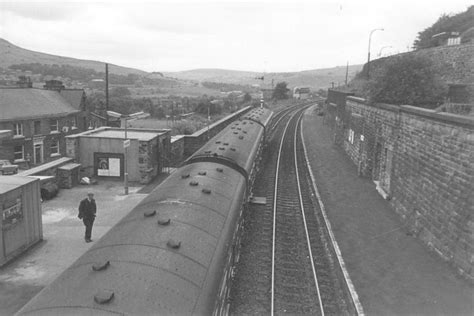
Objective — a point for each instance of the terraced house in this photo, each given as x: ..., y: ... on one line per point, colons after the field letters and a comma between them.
x: 39, y: 120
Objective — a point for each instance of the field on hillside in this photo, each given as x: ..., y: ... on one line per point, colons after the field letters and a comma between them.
x: 181, y: 90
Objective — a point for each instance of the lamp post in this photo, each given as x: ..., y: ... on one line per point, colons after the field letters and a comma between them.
x: 380, y: 52
x: 368, y: 54
x: 126, y: 143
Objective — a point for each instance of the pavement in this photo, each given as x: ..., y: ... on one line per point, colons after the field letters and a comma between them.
x: 393, y: 272
x: 63, y: 239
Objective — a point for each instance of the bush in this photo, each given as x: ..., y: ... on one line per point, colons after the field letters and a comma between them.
x: 407, y: 79
x: 281, y: 91
x: 184, y: 128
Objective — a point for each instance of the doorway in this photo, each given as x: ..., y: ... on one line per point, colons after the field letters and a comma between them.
x: 38, y: 154
x: 377, y: 161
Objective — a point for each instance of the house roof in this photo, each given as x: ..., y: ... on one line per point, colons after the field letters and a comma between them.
x: 18, y: 104
x: 73, y: 96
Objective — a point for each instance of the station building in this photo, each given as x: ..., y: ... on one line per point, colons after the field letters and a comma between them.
x: 301, y: 93
x: 103, y: 152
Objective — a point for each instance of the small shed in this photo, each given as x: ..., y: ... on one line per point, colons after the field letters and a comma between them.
x: 21, y: 225
x: 69, y: 175
x: 103, y: 152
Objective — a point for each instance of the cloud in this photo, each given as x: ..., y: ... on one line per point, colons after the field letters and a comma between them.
x: 275, y: 35
x: 42, y: 11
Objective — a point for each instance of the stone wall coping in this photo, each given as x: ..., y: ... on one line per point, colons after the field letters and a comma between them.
x: 70, y: 166
x: 347, y: 93
x: 46, y: 166
x: 204, y: 129
x: 357, y: 99
x: 429, y: 113
x: 177, y: 138
x: 439, y: 116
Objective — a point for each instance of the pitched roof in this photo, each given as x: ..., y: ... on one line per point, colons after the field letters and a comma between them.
x: 73, y: 96
x: 17, y: 104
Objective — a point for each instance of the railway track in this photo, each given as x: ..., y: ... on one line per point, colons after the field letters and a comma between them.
x: 290, y: 254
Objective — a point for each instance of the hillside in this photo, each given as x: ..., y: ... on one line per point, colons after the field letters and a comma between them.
x: 214, y: 75
x: 187, y: 80
x: 11, y: 54
x: 315, y: 79
x: 461, y: 23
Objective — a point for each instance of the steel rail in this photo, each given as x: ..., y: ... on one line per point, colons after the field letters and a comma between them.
x: 300, y: 196
x: 274, y: 214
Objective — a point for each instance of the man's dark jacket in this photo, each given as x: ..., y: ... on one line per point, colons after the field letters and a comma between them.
x: 87, y: 209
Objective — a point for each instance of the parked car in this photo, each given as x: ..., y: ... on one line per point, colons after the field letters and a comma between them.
x: 7, y: 168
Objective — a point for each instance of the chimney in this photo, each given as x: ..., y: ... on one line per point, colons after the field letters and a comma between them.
x: 54, y: 85
x: 24, y: 82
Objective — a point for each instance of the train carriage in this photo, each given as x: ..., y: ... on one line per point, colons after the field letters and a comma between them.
x: 173, y: 254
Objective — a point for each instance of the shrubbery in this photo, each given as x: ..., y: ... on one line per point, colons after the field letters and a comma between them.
x: 404, y: 79
x: 407, y: 79
x: 462, y: 22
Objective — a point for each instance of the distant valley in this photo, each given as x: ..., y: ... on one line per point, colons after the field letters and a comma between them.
x: 315, y: 79
x: 11, y: 54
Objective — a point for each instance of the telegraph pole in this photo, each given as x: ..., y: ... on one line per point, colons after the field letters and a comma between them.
x: 106, y: 93
x: 347, y: 71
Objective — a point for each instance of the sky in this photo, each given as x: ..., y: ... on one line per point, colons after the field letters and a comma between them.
x: 259, y: 35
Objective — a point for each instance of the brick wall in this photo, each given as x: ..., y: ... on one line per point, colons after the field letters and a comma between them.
x: 423, y: 162
x: 177, y: 151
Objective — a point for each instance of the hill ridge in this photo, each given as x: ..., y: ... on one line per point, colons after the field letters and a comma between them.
x: 11, y: 54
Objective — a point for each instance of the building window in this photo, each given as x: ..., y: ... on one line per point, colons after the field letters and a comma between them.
x: 351, y: 136
x: 17, y: 129
x: 37, y: 127
x: 53, y: 125
x: 19, y: 152
x: 74, y: 123
x: 55, y: 148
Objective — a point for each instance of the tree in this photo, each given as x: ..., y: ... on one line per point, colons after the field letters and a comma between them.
x: 408, y: 79
x: 247, y: 97
x: 461, y: 22
x: 204, y: 107
x: 120, y: 92
x: 323, y: 93
x: 159, y: 112
x: 281, y: 91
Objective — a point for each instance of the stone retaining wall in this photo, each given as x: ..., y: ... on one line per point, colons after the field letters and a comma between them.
x: 423, y: 163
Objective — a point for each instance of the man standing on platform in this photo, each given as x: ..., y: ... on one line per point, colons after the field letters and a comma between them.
x: 87, y: 210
